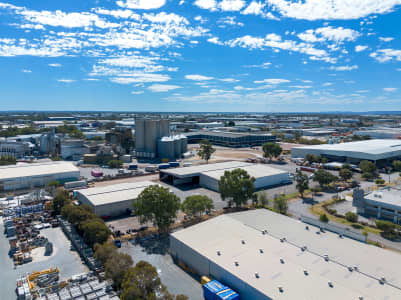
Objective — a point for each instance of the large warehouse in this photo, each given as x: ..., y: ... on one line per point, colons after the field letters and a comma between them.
x: 208, y: 175
x: 264, y: 255
x: 112, y: 200
x: 25, y: 176
x: 380, y: 151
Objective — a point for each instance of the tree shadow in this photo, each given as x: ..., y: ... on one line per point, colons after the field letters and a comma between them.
x: 154, y: 244
x: 393, y: 237
x: 309, y: 200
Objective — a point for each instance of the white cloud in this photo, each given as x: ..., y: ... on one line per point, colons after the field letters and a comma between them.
x: 26, y: 71
x: 344, y: 68
x: 229, y: 21
x: 231, y: 5
x: 327, y: 84
x: 385, y: 55
x: 118, y: 13
x: 136, y: 92
x: 254, y: 8
x: 390, y: 89
x: 63, y: 80
x: 323, y: 34
x: 215, y: 40
x: 162, y: 87
x: 206, y: 4
x: 272, y: 81
x: 142, y: 4
x: 229, y: 80
x: 56, y: 65
x: 200, y: 19
x: 386, y: 39
x: 360, y: 48
x: 196, y: 77
x: 333, y: 9
x: 265, y: 65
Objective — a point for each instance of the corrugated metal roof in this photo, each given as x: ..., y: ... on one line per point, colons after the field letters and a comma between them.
x: 36, y: 169
x: 300, y: 274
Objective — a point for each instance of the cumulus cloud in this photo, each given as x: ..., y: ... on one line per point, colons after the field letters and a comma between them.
x: 272, y: 81
x: 162, y: 87
x: 64, y: 80
x: 386, y: 39
x: 386, y: 55
x: 360, y: 48
x: 196, y: 77
x: 344, y: 68
x: 26, y: 71
x: 323, y: 34
x: 333, y: 9
x: 231, y: 5
x: 390, y: 89
x: 142, y: 4
x: 206, y: 4
x: 215, y: 40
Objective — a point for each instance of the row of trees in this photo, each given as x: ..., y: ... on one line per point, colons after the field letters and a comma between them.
x: 90, y: 226
x: 7, y: 160
x: 135, y: 282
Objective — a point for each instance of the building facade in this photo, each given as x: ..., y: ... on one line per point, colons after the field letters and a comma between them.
x: 232, y: 140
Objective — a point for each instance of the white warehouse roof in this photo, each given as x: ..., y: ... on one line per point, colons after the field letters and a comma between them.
x: 114, y: 193
x: 36, y: 169
x: 303, y: 275
x: 369, y: 149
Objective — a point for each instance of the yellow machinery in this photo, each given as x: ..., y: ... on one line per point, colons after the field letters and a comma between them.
x: 205, y: 280
x: 31, y: 277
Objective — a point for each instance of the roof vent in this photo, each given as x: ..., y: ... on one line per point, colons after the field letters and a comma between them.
x: 350, y: 269
x: 257, y: 275
x: 307, y: 227
x: 303, y: 248
x: 356, y: 268
x: 317, y: 232
x: 340, y: 236
x: 330, y: 284
x: 281, y: 289
x: 306, y: 272
x: 360, y: 298
x: 322, y: 229
x: 261, y: 250
x: 281, y: 260
x: 218, y: 253
x: 382, y: 280
x: 243, y: 242
x: 326, y: 257
x: 236, y: 263
x: 283, y: 240
x: 264, y: 232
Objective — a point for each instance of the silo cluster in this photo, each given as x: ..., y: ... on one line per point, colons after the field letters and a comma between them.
x: 172, y: 147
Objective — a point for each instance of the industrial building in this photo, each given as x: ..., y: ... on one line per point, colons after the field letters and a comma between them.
x: 383, y: 204
x: 264, y: 255
x: 14, y: 149
x: 378, y: 151
x: 113, y: 200
x: 153, y: 140
x: 380, y: 133
x: 230, y: 139
x: 26, y: 176
x: 73, y: 149
x: 208, y: 175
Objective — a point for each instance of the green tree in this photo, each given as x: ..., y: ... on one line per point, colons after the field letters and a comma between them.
x: 345, y: 174
x: 379, y: 181
x: 280, y: 204
x: 60, y: 200
x: 196, y: 205
x: 117, y: 266
x: 95, y: 231
x: 7, y: 160
x: 367, y: 167
x: 323, y: 218
x: 302, y: 181
x: 323, y: 177
x: 310, y: 158
x: 103, y: 252
x: 158, y: 205
x: 351, y: 217
x: 386, y: 226
x: 115, y: 163
x: 397, y: 165
x: 142, y: 282
x: 206, y: 150
x: 271, y: 150
x: 236, y: 186
x: 316, y: 190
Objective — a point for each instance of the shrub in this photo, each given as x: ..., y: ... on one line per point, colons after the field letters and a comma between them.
x: 351, y: 217
x: 323, y: 218
x: 379, y: 181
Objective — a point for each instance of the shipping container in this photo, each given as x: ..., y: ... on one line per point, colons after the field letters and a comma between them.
x: 133, y: 167
x: 174, y: 164
x: 215, y: 290
x: 164, y: 166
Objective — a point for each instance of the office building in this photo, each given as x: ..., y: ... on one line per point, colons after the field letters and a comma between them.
x: 230, y: 139
x: 378, y: 151
x: 208, y: 175
x: 263, y: 255
x: 113, y: 200
x: 26, y: 176
x: 383, y: 204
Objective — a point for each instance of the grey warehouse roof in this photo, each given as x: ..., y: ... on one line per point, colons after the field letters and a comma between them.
x: 369, y: 149
x: 389, y: 196
x: 115, y: 193
x: 353, y: 268
x: 36, y: 169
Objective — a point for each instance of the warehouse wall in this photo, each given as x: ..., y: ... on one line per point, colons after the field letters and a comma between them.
x: 209, y: 182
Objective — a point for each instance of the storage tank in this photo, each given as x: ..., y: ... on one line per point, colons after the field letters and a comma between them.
x: 166, y: 148
x: 151, y: 135
x: 139, y: 134
x: 184, y: 144
x: 164, y: 128
x: 177, y: 146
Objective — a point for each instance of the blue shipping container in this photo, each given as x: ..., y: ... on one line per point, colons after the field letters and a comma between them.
x: 214, y: 290
x: 164, y: 166
x: 174, y: 164
x: 133, y: 167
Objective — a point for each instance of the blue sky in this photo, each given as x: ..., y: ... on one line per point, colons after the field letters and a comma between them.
x: 201, y: 55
